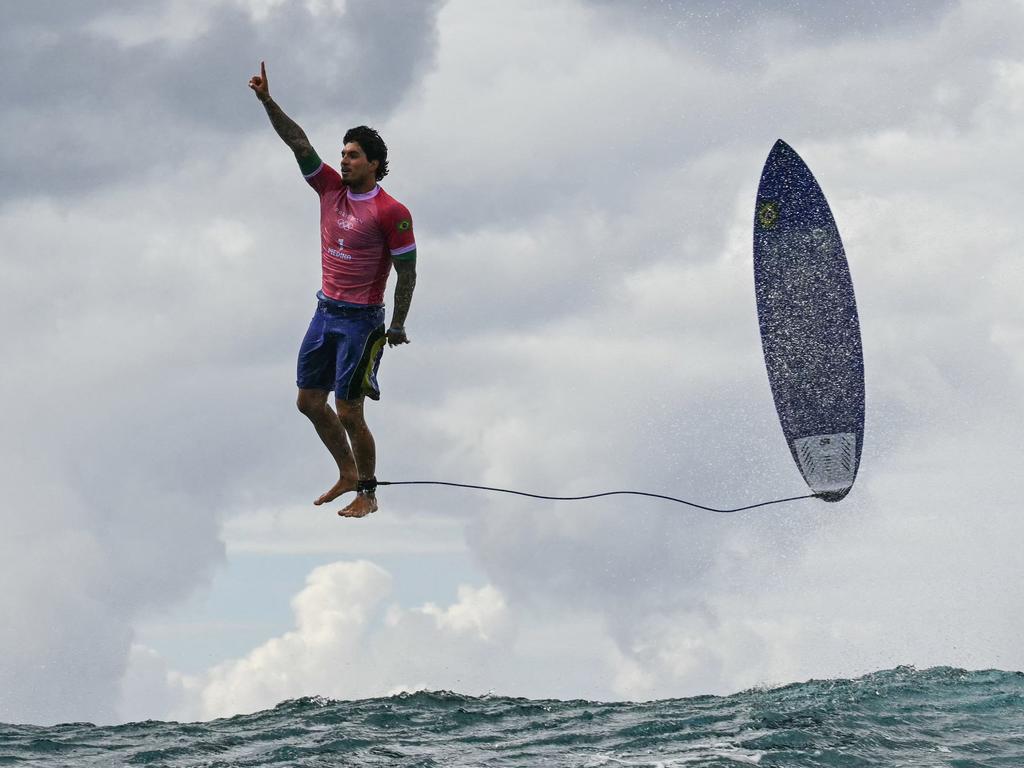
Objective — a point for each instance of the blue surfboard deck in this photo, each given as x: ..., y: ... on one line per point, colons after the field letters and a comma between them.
x: 810, y: 331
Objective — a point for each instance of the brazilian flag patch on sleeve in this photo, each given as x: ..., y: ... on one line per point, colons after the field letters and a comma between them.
x: 404, y: 225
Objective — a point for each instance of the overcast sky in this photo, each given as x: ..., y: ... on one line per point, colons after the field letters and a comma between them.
x: 582, y: 178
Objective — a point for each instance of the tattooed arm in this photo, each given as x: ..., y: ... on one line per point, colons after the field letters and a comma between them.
x: 406, y: 270
x: 286, y: 128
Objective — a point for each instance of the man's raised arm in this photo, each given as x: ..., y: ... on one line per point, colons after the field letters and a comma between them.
x: 286, y: 128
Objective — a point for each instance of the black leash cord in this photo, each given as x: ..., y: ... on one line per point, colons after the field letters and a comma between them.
x: 595, y: 495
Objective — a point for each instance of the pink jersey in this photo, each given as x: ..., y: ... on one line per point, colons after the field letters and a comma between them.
x: 359, y: 236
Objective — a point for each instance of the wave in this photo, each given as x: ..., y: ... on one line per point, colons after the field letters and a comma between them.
x: 904, y: 716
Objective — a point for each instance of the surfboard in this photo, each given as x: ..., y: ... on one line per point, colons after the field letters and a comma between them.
x: 810, y: 330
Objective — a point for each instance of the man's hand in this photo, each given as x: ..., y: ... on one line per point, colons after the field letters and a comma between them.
x: 396, y: 336
x: 286, y: 128
x: 259, y: 83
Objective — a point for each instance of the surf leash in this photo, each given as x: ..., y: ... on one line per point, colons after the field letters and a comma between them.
x: 594, y: 495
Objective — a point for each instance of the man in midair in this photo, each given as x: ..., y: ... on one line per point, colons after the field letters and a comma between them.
x: 363, y: 232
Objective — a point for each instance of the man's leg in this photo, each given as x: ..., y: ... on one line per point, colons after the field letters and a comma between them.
x: 313, y: 404
x: 350, y: 416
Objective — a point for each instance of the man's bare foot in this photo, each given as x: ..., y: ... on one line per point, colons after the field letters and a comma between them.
x: 344, y: 485
x: 362, y: 505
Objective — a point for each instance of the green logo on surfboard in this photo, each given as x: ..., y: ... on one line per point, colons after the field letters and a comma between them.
x: 768, y: 214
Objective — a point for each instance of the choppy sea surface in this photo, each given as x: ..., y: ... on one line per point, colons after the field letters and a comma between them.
x: 901, y: 717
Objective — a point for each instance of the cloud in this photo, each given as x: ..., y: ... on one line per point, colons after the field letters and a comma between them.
x: 584, y: 321
x: 655, y: 382
x: 70, y: 596
x: 136, y: 339
x: 712, y: 23
x: 331, y: 614
x: 647, y: 374
x: 348, y: 644
x: 102, y: 96
x: 404, y: 529
x: 570, y: 124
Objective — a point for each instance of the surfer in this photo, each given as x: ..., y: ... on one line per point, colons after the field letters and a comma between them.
x: 364, y: 231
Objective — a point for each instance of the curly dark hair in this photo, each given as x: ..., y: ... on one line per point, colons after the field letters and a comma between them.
x: 373, y: 145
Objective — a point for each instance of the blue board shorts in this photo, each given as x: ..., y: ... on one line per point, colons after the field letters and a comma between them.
x: 342, y: 350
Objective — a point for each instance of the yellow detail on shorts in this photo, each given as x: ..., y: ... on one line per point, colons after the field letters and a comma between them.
x: 375, y: 350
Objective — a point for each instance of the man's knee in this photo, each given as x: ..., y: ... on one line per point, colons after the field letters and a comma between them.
x: 350, y: 412
x: 311, y: 402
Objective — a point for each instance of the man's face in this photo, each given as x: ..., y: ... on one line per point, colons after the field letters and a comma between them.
x: 356, y: 170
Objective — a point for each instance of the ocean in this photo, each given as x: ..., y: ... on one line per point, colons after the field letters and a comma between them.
x: 901, y: 717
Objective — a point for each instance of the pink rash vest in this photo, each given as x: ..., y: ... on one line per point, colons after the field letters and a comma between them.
x: 360, y: 234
